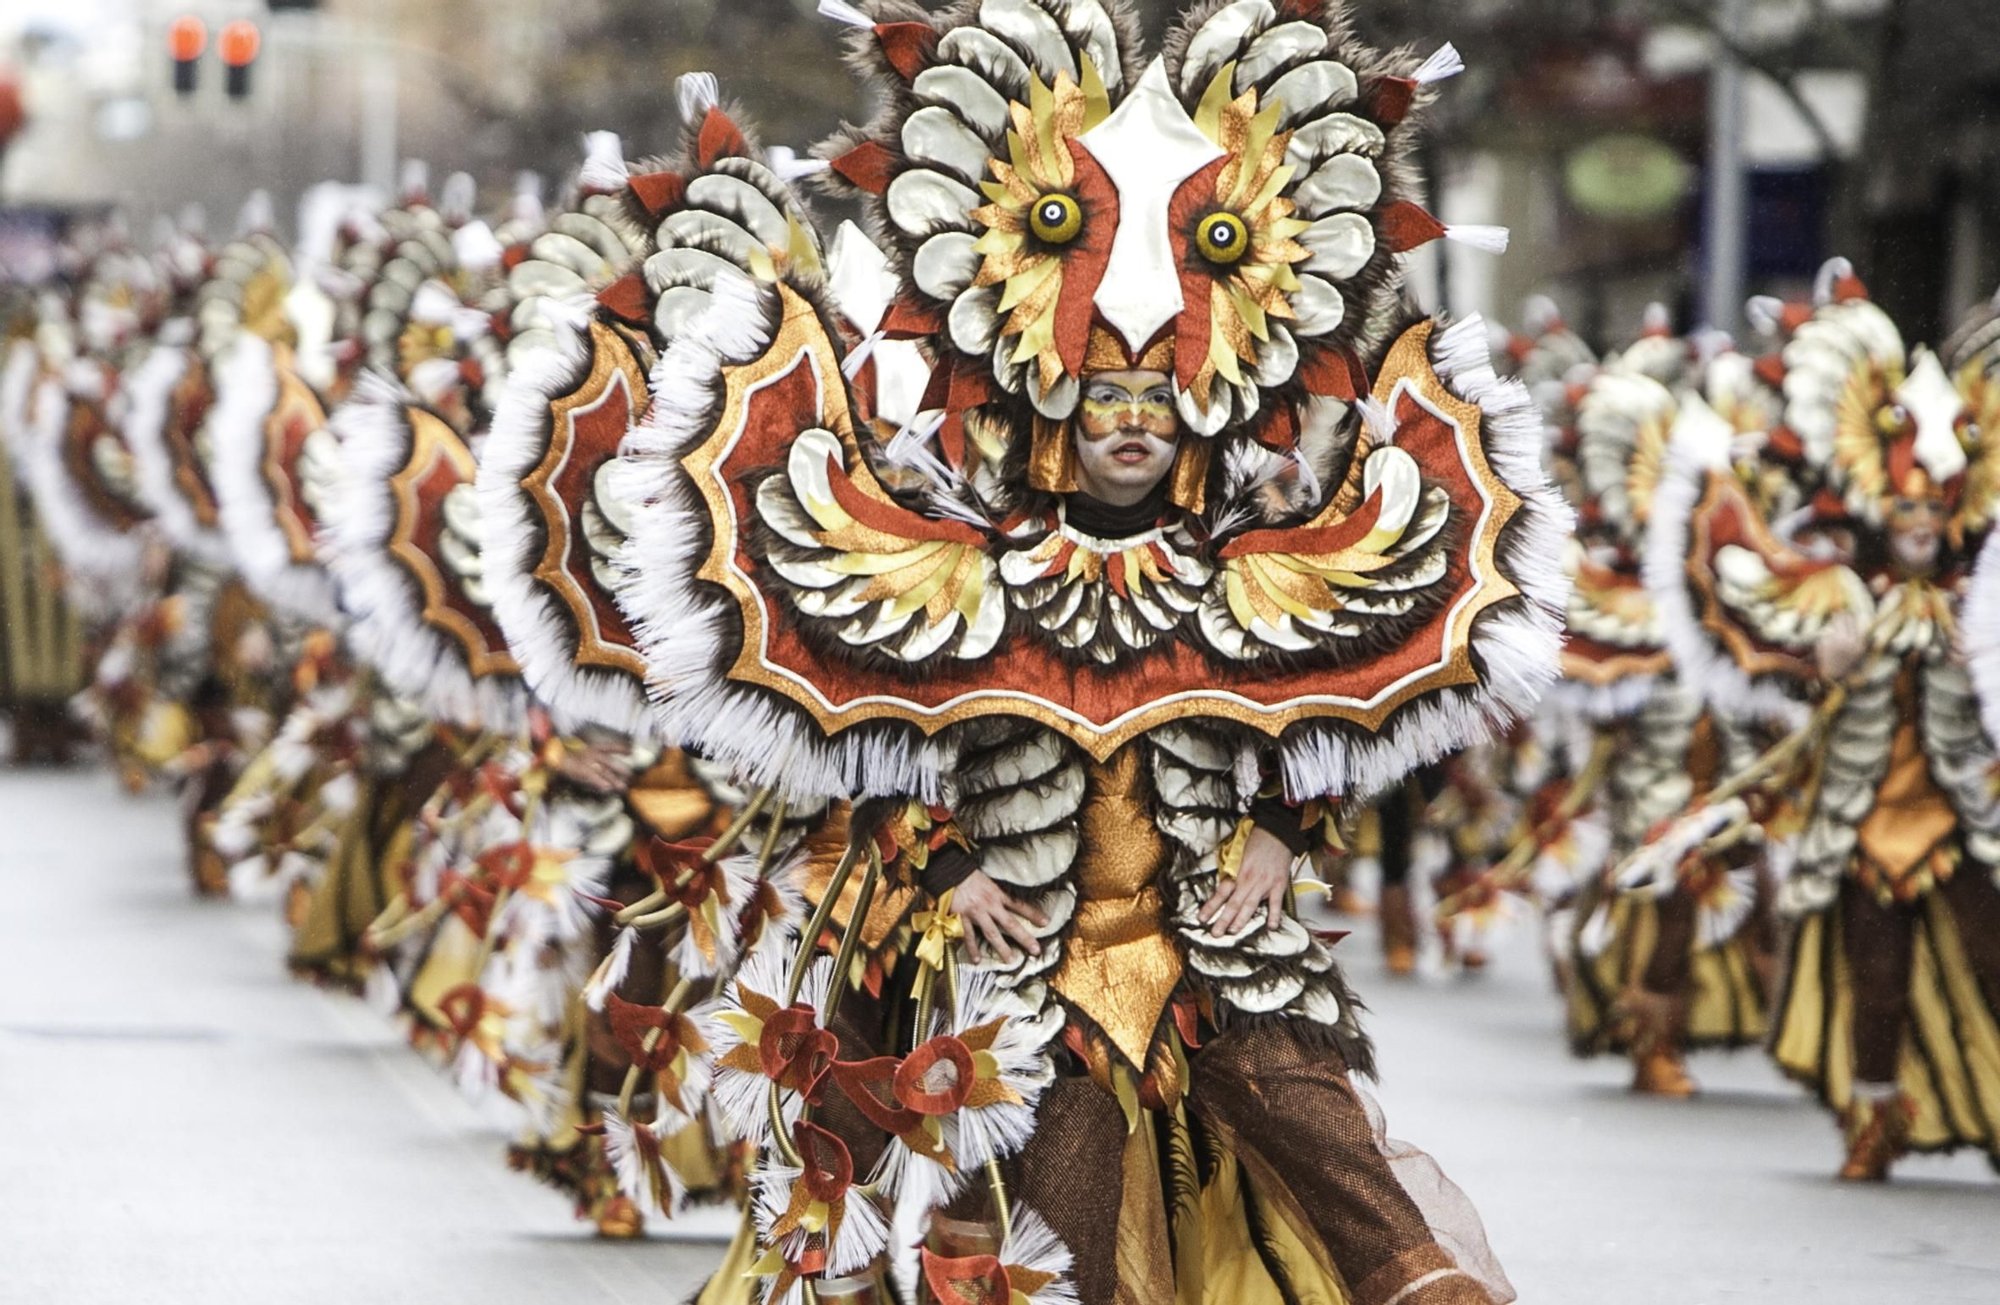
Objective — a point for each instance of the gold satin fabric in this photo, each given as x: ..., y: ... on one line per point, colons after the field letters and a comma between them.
x: 671, y: 800
x: 1911, y: 817
x: 1120, y: 969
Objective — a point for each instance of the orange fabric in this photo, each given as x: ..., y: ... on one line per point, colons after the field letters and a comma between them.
x: 1911, y: 817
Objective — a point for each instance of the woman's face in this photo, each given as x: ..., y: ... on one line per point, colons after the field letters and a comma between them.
x: 1915, y: 531
x: 1126, y: 435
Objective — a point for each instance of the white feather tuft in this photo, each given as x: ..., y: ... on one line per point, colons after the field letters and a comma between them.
x: 1444, y: 62
x: 604, y: 167
x: 695, y: 94
x: 842, y: 12
x: 1488, y: 239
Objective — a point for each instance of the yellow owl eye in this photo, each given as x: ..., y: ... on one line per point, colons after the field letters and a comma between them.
x: 1056, y: 219
x: 1222, y: 238
x: 1889, y: 419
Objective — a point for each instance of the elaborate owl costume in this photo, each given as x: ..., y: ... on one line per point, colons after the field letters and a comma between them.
x: 848, y: 587
x: 1659, y: 963
x: 1887, y: 1008
x: 41, y: 638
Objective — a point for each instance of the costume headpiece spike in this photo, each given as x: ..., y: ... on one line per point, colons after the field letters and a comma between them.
x: 1765, y: 313
x: 1444, y: 62
x: 1541, y: 315
x: 790, y: 165
x: 604, y: 167
x: 842, y: 12
x: 414, y: 184
x: 1406, y: 226
x: 1836, y: 283
x: 256, y: 214
x: 459, y: 197
x: 695, y: 94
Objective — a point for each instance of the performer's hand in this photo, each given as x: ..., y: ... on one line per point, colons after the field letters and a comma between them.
x: 1260, y: 882
x: 598, y: 768
x: 989, y: 913
x: 1841, y: 647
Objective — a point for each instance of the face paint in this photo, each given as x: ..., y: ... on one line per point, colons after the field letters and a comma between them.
x: 1109, y: 408
x: 1914, y: 526
x: 1127, y: 435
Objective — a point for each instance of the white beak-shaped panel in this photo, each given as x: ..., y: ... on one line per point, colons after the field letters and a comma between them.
x: 1148, y: 147
x: 1930, y: 397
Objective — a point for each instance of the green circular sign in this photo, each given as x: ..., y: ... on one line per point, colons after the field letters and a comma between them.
x: 1627, y: 178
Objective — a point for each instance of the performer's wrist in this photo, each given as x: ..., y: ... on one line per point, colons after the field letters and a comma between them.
x: 948, y: 867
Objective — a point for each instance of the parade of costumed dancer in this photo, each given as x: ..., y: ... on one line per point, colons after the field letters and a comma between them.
x: 240, y: 672
x: 41, y: 639
x: 482, y: 911
x: 1845, y: 613
x: 677, y: 900
x: 401, y: 538
x: 80, y: 472
x: 1524, y: 782
x: 1657, y: 966
x: 314, y: 816
x: 1202, y: 537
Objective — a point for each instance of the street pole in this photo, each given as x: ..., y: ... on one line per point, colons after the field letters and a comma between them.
x: 1728, y: 197
x: 379, y: 161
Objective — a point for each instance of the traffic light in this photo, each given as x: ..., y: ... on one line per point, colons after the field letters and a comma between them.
x: 238, y: 46
x: 187, y: 37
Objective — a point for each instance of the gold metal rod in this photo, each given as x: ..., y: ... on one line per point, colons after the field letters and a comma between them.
x: 779, y: 1138
x: 651, y: 902
x: 808, y: 944
x: 632, y: 1073
x: 733, y: 834
x: 850, y: 938
x: 926, y: 999
x: 658, y: 919
x: 823, y: 912
x: 714, y: 852
x: 1003, y: 1210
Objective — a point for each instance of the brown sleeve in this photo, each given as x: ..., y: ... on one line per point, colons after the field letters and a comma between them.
x: 950, y: 866
x: 1284, y: 822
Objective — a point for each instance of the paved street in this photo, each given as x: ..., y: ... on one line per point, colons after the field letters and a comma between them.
x: 186, y: 1124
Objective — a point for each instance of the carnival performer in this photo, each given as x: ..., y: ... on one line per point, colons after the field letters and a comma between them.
x: 554, y: 507
x: 41, y: 639
x: 1887, y: 1009
x: 1147, y: 598
x: 1661, y: 965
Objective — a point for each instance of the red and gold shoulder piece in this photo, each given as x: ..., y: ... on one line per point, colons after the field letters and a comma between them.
x: 404, y: 544
x: 1742, y: 598
x: 556, y: 510
x: 274, y: 464
x: 80, y: 471
x: 775, y: 581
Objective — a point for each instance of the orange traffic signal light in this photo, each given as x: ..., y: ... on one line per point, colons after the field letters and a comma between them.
x: 238, y: 46
x: 187, y: 37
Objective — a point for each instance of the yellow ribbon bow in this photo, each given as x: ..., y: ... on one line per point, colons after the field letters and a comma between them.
x: 938, y: 929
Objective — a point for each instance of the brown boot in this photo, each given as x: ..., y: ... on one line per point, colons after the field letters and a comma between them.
x: 1658, y: 1026
x: 211, y: 872
x: 1878, y: 1134
x: 619, y: 1219
x: 1399, y: 929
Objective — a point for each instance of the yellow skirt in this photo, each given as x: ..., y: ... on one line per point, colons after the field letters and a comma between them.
x: 1726, y: 1004
x: 1950, y: 1061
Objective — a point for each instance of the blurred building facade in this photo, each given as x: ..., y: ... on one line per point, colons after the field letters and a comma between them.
x: 1870, y: 126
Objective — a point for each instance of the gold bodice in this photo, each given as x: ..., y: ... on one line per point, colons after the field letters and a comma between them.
x: 1121, y: 969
